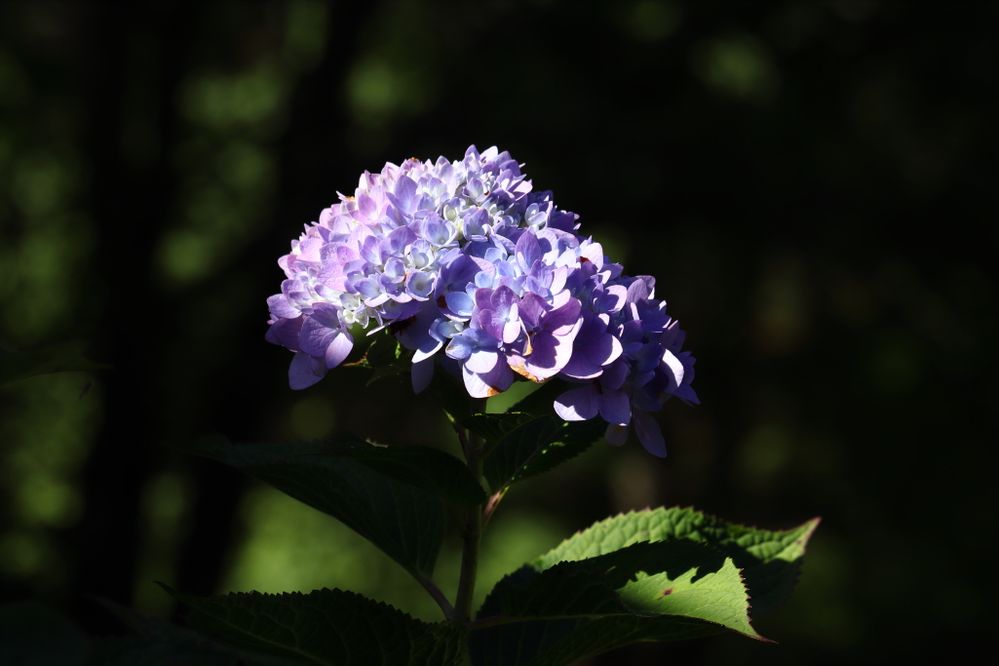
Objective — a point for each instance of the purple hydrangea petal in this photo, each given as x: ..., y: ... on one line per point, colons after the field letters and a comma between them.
x: 580, y: 367
x: 612, y: 299
x: 673, y: 337
x: 475, y: 223
x: 528, y: 251
x: 503, y: 299
x: 594, y: 348
x: 397, y: 241
x: 305, y: 371
x: 281, y: 306
x: 482, y: 360
x: 464, y: 253
x: 688, y: 395
x: 366, y: 206
x: 285, y: 332
x: 641, y: 288
x: 315, y: 337
x: 550, y: 353
x: 326, y: 314
x: 371, y: 250
x: 675, y: 366
x: 460, y: 348
x: 564, y: 318
x: 483, y: 297
x: 578, y: 404
x: 368, y: 288
x: 338, y: 349
x: 531, y: 309
x: 460, y: 303
x: 420, y: 285
x: 488, y: 384
x: 649, y: 434
x: 434, y: 229
x: 425, y: 352
x: 379, y: 299
x: 594, y: 253
x: 615, y: 407
x: 421, y: 374
x: 652, y: 315
x: 511, y: 330
x: 418, y: 333
x: 404, y: 197
x: 615, y: 375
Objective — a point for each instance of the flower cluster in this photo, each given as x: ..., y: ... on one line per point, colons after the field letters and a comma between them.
x: 473, y: 270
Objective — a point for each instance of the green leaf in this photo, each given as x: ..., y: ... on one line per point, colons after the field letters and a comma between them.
x: 376, y: 351
x: 646, y: 592
x: 397, y: 497
x: 424, y: 467
x: 520, y: 444
x: 382, y: 355
x: 542, y: 399
x: 653, y: 575
x: 324, y: 627
x: 770, y: 560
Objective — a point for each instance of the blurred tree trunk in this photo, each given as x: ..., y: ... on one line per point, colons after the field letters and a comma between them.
x: 138, y: 62
x: 308, y: 171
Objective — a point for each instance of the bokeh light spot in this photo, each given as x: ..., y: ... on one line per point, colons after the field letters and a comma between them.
x: 737, y: 67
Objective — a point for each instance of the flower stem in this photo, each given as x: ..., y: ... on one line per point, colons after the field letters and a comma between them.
x: 491, y: 505
x: 437, y: 595
x: 471, y: 536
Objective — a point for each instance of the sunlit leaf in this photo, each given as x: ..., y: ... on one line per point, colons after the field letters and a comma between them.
x: 770, y: 560
x: 654, y: 575
x: 661, y: 591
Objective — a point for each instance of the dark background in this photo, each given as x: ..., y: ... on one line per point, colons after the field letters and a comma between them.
x: 812, y: 183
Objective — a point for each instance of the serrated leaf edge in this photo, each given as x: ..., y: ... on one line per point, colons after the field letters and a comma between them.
x: 186, y: 600
x: 801, y: 541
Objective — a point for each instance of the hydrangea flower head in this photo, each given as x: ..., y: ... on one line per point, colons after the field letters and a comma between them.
x: 471, y: 269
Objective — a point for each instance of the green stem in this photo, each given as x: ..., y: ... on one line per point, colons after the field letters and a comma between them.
x: 471, y: 536
x: 437, y: 595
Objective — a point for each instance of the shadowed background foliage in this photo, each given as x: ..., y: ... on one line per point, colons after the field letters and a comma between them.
x: 811, y: 183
